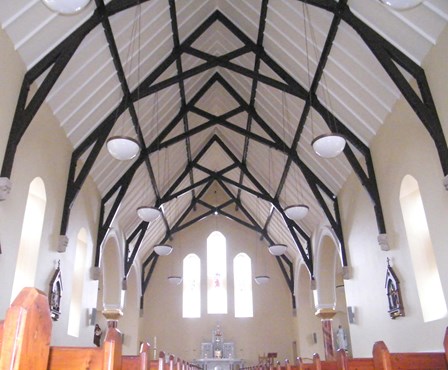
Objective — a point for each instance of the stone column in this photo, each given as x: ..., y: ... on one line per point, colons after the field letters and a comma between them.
x: 326, y: 315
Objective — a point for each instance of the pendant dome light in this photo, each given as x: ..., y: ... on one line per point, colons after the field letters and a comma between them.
x: 277, y: 249
x: 262, y: 279
x: 296, y: 212
x: 66, y: 6
x: 163, y: 249
x: 123, y: 148
x: 174, y: 279
x: 148, y: 214
x: 402, y: 4
x: 331, y: 144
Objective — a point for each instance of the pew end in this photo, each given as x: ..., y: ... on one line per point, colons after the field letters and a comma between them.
x: 29, y: 313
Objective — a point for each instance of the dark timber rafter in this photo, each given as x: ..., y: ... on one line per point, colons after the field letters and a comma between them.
x: 287, y: 270
x: 56, y: 61
x: 176, y: 42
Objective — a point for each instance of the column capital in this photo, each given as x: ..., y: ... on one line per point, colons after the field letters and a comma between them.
x: 5, y: 187
x: 112, y: 314
x: 325, y: 313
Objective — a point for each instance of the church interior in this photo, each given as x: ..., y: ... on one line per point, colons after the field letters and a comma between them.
x: 242, y: 181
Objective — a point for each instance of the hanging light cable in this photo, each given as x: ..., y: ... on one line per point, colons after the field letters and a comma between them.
x: 274, y: 249
x: 124, y: 147
x: 150, y: 213
x: 328, y: 145
x: 298, y: 211
x: 262, y: 278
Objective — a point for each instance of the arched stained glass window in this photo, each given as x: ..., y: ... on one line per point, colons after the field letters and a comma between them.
x: 242, y: 273
x: 216, y: 274
x: 191, y: 302
x: 429, y: 286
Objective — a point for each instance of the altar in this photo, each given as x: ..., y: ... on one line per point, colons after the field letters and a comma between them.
x: 217, y: 354
x: 219, y: 363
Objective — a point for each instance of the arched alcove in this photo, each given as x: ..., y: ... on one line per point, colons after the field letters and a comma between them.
x: 426, y: 272
x: 30, y: 237
x: 325, y: 268
x: 128, y: 324
x: 330, y: 289
x: 309, y: 326
x: 111, y: 267
x: 79, y: 268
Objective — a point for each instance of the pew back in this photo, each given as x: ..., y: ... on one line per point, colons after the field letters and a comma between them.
x: 26, y: 331
x: 384, y: 360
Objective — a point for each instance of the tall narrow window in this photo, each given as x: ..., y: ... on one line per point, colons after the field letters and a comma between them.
x: 74, y: 318
x: 216, y: 273
x: 33, y: 221
x: 191, y: 303
x: 242, y: 276
x: 429, y: 287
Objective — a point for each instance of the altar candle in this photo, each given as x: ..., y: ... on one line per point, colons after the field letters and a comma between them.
x: 155, y: 342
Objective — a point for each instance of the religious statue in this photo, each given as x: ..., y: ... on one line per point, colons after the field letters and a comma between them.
x: 341, y: 339
x: 392, y: 286
x: 55, y: 293
x: 97, y: 336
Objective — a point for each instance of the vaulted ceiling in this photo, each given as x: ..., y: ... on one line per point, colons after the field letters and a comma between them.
x: 222, y: 94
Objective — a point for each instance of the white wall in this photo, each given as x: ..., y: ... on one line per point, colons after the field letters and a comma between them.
x: 401, y: 147
x: 44, y: 151
x: 270, y: 330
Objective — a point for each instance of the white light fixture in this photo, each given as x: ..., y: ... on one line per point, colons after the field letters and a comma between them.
x: 174, y: 279
x: 261, y: 279
x: 277, y: 249
x: 66, y: 6
x: 148, y: 214
x: 329, y: 145
x: 297, y: 211
x: 122, y: 148
x: 294, y: 212
x: 402, y: 4
x: 163, y: 249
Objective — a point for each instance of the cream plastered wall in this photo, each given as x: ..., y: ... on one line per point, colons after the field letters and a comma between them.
x: 401, y: 147
x: 44, y: 151
x: 270, y: 330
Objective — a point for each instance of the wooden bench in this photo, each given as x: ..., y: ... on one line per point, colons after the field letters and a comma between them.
x: 384, y: 360
x: 138, y: 362
x: 25, y: 342
x: 346, y: 363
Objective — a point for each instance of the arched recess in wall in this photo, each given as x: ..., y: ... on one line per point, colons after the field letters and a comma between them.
x: 111, y: 268
x: 309, y: 326
x: 128, y: 324
x: 330, y: 291
x: 79, y: 273
x: 429, y: 286
x: 327, y: 253
x: 30, y: 237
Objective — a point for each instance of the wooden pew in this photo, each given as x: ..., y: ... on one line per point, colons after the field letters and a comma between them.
x: 445, y: 345
x: 139, y: 362
x: 1, y: 333
x: 345, y: 363
x: 384, y: 360
x: 26, y: 332
x: 25, y: 342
